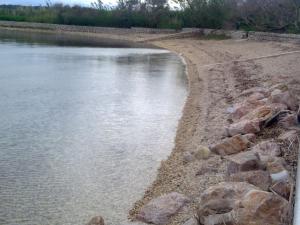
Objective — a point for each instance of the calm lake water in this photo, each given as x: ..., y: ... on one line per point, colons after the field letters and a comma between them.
x: 82, y: 130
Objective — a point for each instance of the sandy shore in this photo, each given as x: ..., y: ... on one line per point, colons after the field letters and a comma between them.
x: 218, y: 71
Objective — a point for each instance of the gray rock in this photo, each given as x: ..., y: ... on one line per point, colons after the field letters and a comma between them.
x: 191, y: 221
x: 97, y: 220
x: 243, y: 161
x: 267, y: 148
x: 259, y: 178
x: 160, y: 210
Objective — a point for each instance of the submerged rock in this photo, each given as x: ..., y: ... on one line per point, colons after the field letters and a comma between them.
x: 159, y: 210
x: 97, y: 220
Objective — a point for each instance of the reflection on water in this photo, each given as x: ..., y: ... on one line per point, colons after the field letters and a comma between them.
x: 83, y: 129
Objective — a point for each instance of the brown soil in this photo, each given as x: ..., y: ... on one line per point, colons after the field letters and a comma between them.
x: 218, y: 71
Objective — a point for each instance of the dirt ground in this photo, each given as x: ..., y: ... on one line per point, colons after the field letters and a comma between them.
x: 218, y: 71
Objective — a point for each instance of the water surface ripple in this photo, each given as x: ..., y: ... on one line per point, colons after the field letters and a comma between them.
x: 83, y: 130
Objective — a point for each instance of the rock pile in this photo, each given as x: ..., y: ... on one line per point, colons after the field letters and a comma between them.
x: 258, y: 187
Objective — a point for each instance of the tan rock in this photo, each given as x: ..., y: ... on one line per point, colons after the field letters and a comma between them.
x: 243, y: 161
x: 258, y: 178
x: 97, y: 220
x: 243, y: 127
x: 239, y: 203
x: 217, y: 202
x: 261, y: 114
x: 262, y: 207
x: 159, y: 210
x: 231, y: 145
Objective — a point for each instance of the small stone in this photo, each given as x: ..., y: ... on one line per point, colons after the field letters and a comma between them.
x: 243, y: 127
x: 204, y: 170
x: 231, y: 145
x: 97, y: 220
x: 160, y: 210
x: 243, y: 161
x: 283, y: 188
x: 202, y: 152
x: 187, y: 157
x: 259, y: 178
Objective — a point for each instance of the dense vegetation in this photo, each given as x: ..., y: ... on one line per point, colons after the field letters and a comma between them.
x: 264, y: 15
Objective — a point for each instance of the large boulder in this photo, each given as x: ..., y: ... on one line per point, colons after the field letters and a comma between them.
x: 238, y: 110
x: 283, y: 188
x: 267, y: 149
x: 289, y: 121
x: 259, y: 178
x: 243, y: 161
x: 231, y: 145
x: 159, y: 210
x: 97, y: 220
x: 260, y: 114
x: 239, y: 203
x: 261, y: 207
x: 284, y: 97
x: 243, y: 127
